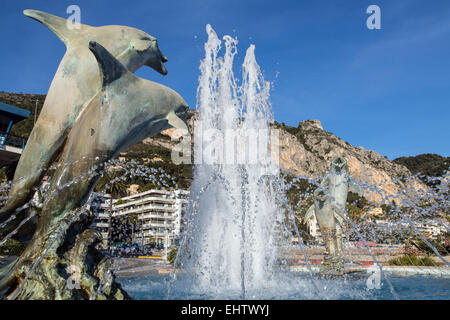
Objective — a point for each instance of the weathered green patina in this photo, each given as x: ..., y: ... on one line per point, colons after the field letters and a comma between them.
x: 61, y: 261
x: 75, y: 83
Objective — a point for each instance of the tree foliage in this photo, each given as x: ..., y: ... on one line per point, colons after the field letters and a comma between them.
x: 428, y: 164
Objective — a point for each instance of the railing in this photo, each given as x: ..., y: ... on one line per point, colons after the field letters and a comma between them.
x: 12, y: 140
x: 155, y: 233
x: 142, y: 208
x: 157, y: 225
x: 144, y: 216
x: 165, y: 201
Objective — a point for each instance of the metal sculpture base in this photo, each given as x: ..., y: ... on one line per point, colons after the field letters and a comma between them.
x: 332, y: 265
x: 64, y: 265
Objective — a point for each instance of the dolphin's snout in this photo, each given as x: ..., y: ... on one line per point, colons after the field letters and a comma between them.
x: 157, y: 59
x: 158, y: 65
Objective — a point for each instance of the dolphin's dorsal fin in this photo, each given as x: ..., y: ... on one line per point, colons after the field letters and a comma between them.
x: 110, y: 68
x: 56, y: 24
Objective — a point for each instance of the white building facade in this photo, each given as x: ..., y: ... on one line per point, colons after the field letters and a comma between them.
x: 159, y: 214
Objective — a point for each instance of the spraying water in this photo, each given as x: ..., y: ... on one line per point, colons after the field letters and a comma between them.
x: 232, y: 246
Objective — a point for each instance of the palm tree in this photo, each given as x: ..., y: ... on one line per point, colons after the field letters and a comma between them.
x: 133, y: 220
x: 116, y: 189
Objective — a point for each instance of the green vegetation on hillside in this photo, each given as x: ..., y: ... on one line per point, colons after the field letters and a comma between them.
x: 159, y: 157
x: 24, y: 101
x: 428, y: 164
x: 299, y: 197
x: 22, y: 128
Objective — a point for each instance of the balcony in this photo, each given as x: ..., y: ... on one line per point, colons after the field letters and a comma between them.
x: 154, y: 234
x: 164, y: 216
x: 140, y: 209
x: 157, y: 225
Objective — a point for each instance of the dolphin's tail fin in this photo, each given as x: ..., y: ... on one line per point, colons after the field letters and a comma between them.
x: 57, y: 25
x: 110, y: 68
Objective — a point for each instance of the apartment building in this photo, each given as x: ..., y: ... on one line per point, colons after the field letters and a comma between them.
x: 159, y: 214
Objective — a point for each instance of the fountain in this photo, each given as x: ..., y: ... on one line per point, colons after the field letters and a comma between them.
x: 240, y: 220
x: 232, y: 233
x: 239, y: 231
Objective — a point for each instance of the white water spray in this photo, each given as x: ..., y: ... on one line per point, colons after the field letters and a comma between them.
x: 231, y: 245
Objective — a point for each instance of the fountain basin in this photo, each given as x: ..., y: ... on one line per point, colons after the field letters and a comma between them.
x: 350, y: 287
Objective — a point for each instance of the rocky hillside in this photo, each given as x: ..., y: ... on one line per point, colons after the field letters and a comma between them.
x: 308, y: 149
x: 305, y: 150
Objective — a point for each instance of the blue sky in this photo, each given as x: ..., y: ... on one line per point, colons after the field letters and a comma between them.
x: 387, y: 90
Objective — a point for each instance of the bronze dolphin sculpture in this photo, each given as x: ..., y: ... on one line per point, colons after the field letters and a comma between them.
x: 76, y: 81
x: 126, y: 110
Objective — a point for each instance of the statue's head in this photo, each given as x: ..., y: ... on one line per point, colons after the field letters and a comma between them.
x: 339, y: 165
x: 140, y: 48
x: 133, y: 47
